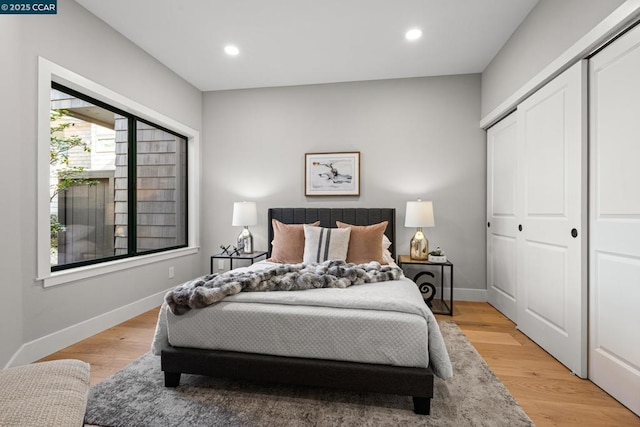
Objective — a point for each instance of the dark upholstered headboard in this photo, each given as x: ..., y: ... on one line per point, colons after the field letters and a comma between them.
x: 329, y: 216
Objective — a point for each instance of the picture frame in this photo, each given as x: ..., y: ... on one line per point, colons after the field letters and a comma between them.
x: 332, y: 174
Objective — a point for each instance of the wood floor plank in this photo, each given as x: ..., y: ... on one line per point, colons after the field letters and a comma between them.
x: 547, y: 391
x: 490, y: 337
x: 551, y: 413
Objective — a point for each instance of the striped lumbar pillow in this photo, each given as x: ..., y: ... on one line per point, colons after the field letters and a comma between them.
x: 322, y: 244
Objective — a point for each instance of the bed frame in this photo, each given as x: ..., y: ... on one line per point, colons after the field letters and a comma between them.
x: 363, y: 377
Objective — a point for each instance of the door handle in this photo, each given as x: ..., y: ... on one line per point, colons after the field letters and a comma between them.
x: 488, y: 224
x: 574, y: 233
x: 519, y: 227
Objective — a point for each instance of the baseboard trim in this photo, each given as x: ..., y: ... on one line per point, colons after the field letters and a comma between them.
x: 56, y: 341
x: 468, y: 294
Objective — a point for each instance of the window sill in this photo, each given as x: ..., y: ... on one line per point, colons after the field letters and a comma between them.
x: 71, y: 275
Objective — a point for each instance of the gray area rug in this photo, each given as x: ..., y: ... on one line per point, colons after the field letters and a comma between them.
x: 136, y: 397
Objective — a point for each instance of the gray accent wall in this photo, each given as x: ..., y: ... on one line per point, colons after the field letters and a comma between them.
x: 417, y: 138
x: 551, y: 28
x: 78, y: 41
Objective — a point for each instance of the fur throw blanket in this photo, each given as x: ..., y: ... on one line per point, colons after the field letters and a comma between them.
x: 209, y: 289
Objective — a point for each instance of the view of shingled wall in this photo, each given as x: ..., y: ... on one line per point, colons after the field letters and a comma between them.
x: 160, y: 157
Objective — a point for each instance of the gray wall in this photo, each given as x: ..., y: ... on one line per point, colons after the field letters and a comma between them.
x: 78, y: 41
x: 551, y: 27
x: 417, y: 138
x: 10, y: 215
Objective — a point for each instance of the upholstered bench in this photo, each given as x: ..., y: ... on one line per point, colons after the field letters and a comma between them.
x: 44, y: 394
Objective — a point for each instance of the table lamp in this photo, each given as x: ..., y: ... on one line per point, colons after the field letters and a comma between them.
x: 419, y: 214
x: 244, y: 215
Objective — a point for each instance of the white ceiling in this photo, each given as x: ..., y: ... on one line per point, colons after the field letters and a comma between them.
x: 295, y: 42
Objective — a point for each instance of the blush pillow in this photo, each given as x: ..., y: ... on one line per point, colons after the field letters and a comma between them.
x: 324, y: 244
x: 365, y: 243
x: 287, y: 246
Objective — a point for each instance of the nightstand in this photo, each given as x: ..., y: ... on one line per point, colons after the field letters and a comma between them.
x: 425, y: 276
x: 253, y: 256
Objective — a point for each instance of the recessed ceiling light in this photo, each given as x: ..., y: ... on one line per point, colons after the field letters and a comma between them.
x: 413, y: 34
x: 231, y: 50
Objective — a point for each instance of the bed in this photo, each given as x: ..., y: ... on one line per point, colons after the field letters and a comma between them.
x: 311, y: 334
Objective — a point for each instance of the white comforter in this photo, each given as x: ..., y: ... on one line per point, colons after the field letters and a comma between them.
x: 399, y: 297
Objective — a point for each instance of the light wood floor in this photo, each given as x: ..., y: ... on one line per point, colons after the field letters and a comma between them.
x: 547, y: 391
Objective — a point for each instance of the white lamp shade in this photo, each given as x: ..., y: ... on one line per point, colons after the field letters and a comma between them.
x: 419, y: 214
x: 244, y: 214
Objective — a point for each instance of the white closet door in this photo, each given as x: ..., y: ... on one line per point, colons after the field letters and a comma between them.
x: 551, y: 191
x: 614, y: 290
x: 501, y: 215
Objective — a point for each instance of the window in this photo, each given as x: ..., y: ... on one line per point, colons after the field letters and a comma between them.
x: 117, y: 183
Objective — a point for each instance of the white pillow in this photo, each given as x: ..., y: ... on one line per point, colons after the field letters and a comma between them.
x: 322, y: 244
x: 386, y: 243
x: 386, y: 256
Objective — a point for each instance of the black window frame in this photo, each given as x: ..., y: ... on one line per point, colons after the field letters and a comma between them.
x: 132, y: 202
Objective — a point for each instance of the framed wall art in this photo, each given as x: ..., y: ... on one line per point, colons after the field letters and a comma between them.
x: 332, y: 174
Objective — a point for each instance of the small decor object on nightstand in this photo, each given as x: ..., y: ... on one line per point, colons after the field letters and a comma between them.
x: 244, y: 215
x: 419, y: 214
x: 437, y: 255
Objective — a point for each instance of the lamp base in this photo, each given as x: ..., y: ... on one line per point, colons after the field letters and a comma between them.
x: 245, y: 241
x: 419, y: 246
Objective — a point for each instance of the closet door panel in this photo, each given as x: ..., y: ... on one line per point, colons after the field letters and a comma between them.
x: 501, y: 215
x: 551, y: 284
x: 546, y: 163
x: 613, y: 337
x: 503, y: 267
x: 546, y: 286
x: 503, y: 150
x: 614, y: 292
